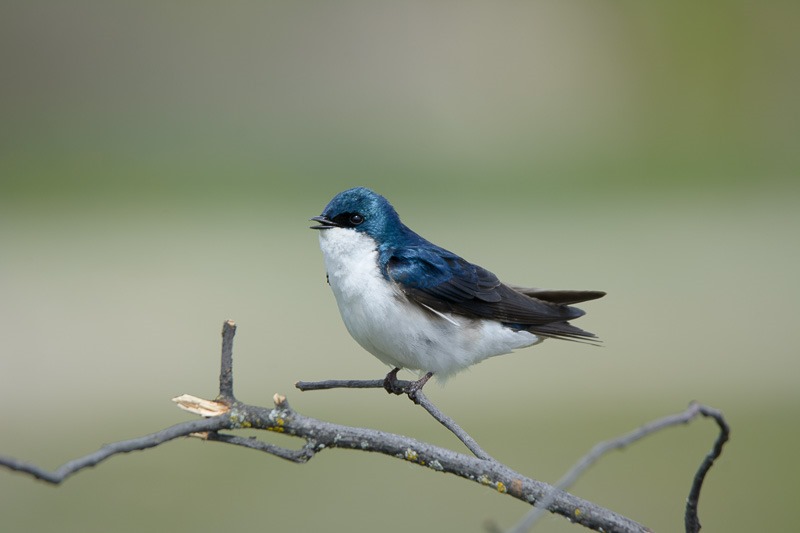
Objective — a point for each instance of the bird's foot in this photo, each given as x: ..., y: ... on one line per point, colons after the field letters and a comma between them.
x: 400, y: 387
x: 390, y: 383
x: 415, y: 387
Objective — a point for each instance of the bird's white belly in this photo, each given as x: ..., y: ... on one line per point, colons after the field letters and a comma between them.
x: 399, y: 332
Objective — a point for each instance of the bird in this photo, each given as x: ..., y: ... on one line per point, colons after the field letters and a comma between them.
x: 417, y: 306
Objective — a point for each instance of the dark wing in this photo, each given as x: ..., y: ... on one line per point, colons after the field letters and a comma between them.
x: 446, y: 283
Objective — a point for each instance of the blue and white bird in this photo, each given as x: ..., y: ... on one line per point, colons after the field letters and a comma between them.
x: 417, y: 306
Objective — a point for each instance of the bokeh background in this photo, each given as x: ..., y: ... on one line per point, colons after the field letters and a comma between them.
x: 158, y: 165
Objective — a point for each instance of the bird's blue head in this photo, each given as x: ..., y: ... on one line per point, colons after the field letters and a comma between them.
x: 362, y: 210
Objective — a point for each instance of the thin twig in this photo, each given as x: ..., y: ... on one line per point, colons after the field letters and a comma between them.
x: 691, y: 520
x: 602, y: 448
x: 344, y: 384
x: 450, y: 424
x: 420, y: 399
x: 140, y: 443
x: 303, y: 455
x: 226, y: 366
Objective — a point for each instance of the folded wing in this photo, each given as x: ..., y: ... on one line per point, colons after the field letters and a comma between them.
x: 444, y: 282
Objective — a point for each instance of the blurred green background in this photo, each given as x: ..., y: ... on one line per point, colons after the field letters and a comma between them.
x: 159, y: 162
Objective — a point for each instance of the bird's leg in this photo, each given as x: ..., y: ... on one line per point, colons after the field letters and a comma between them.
x: 390, y: 383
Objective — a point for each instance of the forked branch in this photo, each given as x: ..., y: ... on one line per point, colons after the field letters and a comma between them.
x: 226, y: 413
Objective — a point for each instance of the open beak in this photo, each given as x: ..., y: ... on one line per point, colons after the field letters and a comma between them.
x: 324, y: 223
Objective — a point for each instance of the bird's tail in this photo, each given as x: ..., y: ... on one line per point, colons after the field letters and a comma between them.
x: 565, y: 331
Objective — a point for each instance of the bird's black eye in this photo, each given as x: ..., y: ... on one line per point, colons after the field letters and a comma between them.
x: 348, y: 219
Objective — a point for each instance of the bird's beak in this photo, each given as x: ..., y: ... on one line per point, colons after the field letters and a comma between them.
x: 324, y: 223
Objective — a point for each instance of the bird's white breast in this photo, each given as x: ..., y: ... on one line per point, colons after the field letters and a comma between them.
x: 399, y: 332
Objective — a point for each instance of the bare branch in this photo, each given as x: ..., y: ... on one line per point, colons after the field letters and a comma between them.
x: 226, y: 367
x: 141, y: 443
x: 419, y: 398
x: 344, y: 384
x: 600, y: 449
x: 226, y: 413
x: 320, y: 435
x: 691, y: 519
x: 303, y: 455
